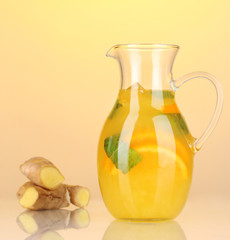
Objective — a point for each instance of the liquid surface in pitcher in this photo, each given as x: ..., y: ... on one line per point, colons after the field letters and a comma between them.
x: 145, y: 156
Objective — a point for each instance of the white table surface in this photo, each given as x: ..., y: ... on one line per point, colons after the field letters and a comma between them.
x: 204, y: 217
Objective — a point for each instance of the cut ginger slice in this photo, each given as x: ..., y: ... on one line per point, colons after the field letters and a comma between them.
x: 42, y: 172
x: 29, y: 197
x: 79, y: 196
x: 51, y: 177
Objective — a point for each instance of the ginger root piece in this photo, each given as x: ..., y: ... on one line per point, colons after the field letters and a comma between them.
x: 35, y: 197
x: 79, y: 195
x: 42, y: 172
x: 46, y: 191
x: 47, y: 235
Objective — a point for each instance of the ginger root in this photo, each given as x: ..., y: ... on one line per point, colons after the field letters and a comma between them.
x: 79, y: 196
x: 42, y: 172
x: 35, y: 197
x: 46, y: 191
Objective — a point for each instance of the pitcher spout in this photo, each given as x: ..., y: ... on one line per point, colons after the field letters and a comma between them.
x: 112, y: 52
x: 150, y: 65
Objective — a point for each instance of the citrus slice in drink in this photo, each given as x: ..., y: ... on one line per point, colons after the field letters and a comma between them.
x: 145, y: 142
x: 109, y: 166
x: 166, y: 157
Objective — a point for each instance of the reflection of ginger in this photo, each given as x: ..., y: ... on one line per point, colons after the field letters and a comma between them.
x: 47, y: 235
x: 46, y: 191
x: 36, y: 222
x: 79, y: 218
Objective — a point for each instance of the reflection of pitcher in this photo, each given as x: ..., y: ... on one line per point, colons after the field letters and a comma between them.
x: 145, y: 155
x: 148, y: 231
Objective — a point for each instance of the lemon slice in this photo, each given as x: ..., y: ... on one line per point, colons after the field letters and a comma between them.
x: 166, y: 157
x: 145, y: 141
x: 108, y: 166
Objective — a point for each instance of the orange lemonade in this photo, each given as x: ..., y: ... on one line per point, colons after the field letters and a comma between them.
x: 145, y: 156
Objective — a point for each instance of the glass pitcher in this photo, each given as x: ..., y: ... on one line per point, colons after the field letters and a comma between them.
x: 145, y: 152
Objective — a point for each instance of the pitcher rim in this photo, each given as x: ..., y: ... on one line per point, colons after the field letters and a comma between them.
x: 147, y: 46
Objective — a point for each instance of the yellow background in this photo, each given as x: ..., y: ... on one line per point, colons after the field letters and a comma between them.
x: 57, y: 86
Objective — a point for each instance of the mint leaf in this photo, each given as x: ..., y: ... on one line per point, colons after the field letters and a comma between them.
x: 116, y: 106
x: 178, y: 120
x: 111, y: 144
x: 123, y: 157
x: 162, y: 94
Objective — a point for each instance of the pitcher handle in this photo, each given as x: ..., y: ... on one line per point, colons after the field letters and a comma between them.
x: 175, y: 84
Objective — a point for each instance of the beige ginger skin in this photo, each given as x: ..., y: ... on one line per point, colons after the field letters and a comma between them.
x: 34, y: 197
